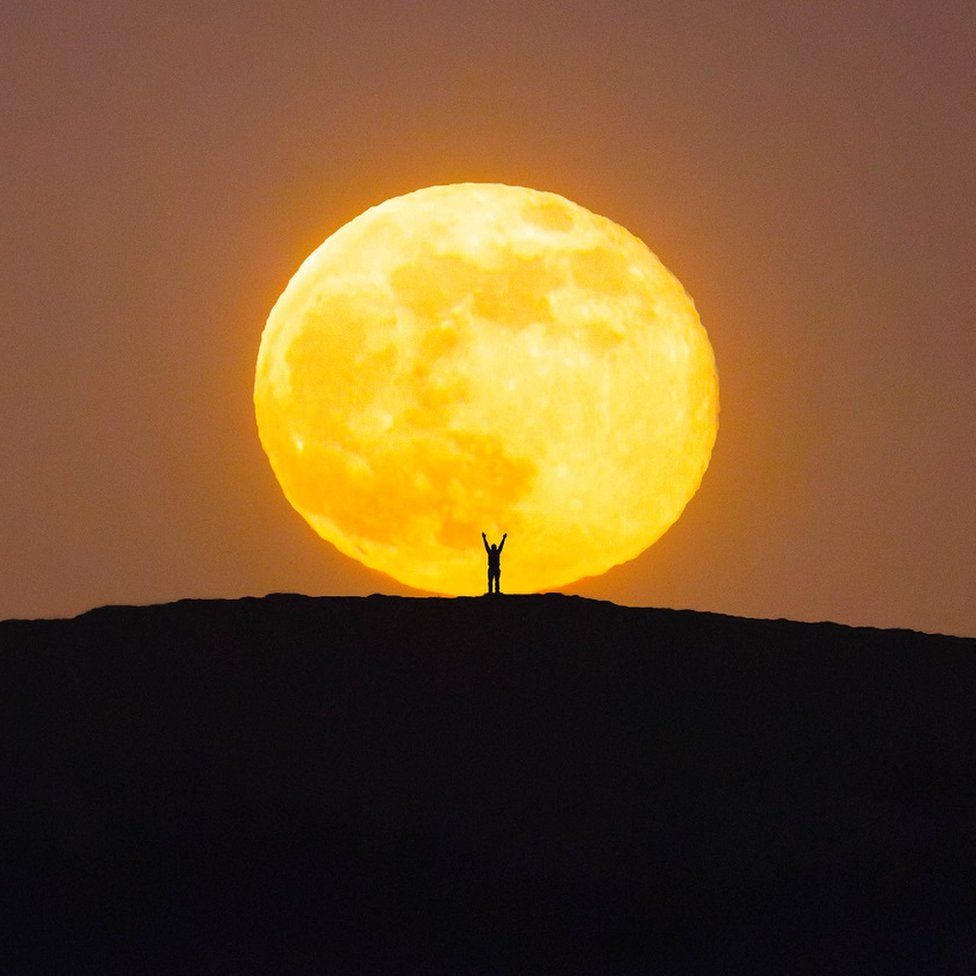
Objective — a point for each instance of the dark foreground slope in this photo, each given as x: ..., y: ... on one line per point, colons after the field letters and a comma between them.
x: 526, y: 785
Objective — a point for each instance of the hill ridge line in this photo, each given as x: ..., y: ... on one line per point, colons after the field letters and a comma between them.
x: 508, y: 599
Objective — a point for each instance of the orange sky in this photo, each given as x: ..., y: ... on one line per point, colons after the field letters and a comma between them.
x: 806, y: 171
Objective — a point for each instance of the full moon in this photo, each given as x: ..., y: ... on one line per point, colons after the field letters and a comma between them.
x: 482, y: 357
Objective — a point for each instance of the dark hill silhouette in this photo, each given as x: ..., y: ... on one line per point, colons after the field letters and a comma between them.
x: 524, y: 785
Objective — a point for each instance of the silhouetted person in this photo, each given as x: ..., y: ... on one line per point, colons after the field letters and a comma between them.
x: 494, y: 562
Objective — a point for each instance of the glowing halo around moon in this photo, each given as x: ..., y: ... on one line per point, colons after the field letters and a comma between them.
x: 486, y: 357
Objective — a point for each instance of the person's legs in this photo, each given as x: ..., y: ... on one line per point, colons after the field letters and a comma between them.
x: 498, y: 581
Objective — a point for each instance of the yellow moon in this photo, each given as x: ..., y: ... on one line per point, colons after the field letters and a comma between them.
x: 482, y: 357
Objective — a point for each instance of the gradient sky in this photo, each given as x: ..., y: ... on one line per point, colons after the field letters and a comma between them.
x: 806, y: 171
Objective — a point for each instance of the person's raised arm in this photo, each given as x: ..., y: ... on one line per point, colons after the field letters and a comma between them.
x: 485, y: 541
x: 501, y: 545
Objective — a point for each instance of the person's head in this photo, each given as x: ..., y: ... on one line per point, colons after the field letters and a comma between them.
x: 493, y: 547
